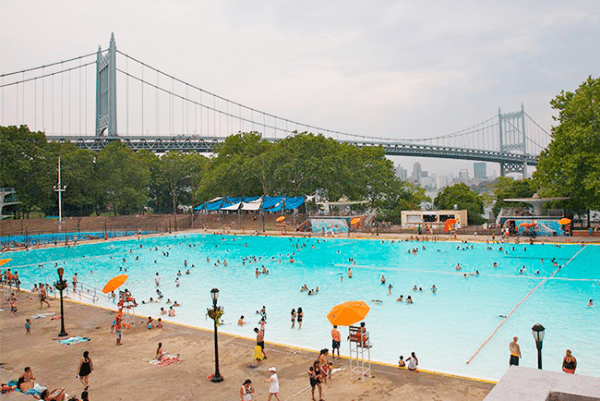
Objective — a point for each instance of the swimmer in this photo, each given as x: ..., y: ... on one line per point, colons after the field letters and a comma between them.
x: 409, y: 300
x: 349, y: 272
x: 256, y: 273
x: 415, y: 288
x: 176, y: 304
x: 390, y: 289
x: 400, y: 298
x: 311, y: 292
x: 163, y: 311
x: 188, y: 271
x: 458, y: 266
x: 171, y: 311
x: 179, y: 273
x: 591, y: 303
x: 433, y: 289
x: 241, y: 321
x: 496, y: 264
x: 304, y: 288
x: 177, y: 284
x: 382, y: 279
x: 377, y: 301
x: 160, y: 294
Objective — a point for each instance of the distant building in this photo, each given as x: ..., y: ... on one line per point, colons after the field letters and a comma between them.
x: 401, y: 173
x: 463, y: 176
x: 416, y: 174
x: 479, y: 170
x: 442, y: 181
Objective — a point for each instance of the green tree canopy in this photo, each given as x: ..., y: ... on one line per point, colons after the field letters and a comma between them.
x: 462, y: 196
x: 570, y: 166
x: 506, y: 188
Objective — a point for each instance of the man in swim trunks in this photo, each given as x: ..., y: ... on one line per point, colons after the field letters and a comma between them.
x: 336, y: 340
x: 260, y: 340
x: 515, y: 352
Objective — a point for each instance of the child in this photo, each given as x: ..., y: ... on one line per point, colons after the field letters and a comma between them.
x: 159, y: 325
x: 28, y: 326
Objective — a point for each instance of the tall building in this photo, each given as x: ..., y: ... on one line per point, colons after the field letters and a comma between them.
x: 463, y: 176
x: 416, y: 174
x: 401, y: 173
x: 479, y: 170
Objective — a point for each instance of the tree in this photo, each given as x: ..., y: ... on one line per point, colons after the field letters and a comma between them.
x: 506, y: 188
x: 462, y: 196
x: 570, y: 165
x: 26, y: 165
x: 125, y: 177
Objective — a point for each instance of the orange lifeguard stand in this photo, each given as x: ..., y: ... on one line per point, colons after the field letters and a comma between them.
x: 126, y: 309
x: 360, y: 351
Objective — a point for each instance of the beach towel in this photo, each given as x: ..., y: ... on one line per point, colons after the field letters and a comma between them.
x: 41, y: 315
x: 258, y: 354
x: 166, y: 361
x: 73, y: 340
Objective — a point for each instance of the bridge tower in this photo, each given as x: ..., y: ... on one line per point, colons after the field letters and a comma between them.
x: 106, y: 90
x: 512, y: 138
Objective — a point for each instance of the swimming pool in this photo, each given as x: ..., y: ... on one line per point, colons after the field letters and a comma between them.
x: 444, y: 329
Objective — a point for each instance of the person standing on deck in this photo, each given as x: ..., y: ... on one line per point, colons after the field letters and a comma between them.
x: 515, y: 352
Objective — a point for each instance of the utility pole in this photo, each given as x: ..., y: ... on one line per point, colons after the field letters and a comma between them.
x: 60, y: 189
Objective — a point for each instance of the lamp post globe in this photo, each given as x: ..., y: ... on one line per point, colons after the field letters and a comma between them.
x: 216, y: 378
x: 538, y: 332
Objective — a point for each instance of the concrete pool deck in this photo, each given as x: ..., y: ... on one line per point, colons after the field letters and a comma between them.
x: 123, y: 373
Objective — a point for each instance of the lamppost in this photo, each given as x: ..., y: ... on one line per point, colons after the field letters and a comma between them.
x: 60, y: 286
x: 60, y: 189
x: 538, y: 335
x: 215, y: 315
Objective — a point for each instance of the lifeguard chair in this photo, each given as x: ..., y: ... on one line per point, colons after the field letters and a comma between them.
x: 127, y: 306
x: 360, y: 351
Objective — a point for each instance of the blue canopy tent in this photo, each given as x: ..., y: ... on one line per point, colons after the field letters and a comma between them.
x: 293, y: 203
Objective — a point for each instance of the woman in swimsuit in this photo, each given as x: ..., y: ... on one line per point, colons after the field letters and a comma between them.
x: 160, y: 354
x: 85, y: 368
x: 569, y: 363
x: 300, y: 316
x: 314, y: 375
x: 293, y: 317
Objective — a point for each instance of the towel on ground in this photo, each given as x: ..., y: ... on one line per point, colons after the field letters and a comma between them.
x: 73, y: 340
x: 165, y: 361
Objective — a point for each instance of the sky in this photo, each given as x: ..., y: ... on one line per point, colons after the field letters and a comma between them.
x: 397, y: 69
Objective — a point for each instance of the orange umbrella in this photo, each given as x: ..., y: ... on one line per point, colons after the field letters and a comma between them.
x: 115, y: 283
x: 348, y: 313
x: 564, y: 221
x: 280, y: 218
x: 355, y: 220
x: 4, y: 261
x: 449, y: 223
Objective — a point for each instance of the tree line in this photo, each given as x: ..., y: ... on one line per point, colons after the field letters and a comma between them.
x: 120, y: 181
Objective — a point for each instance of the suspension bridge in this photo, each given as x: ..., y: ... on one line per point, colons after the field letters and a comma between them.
x: 160, y: 113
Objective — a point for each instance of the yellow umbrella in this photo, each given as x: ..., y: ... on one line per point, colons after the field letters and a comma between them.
x: 348, y: 313
x: 280, y: 218
x: 564, y: 221
x: 115, y: 283
x: 4, y: 261
x: 355, y: 220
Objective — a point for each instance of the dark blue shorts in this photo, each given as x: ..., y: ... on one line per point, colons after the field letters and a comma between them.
x: 335, y: 344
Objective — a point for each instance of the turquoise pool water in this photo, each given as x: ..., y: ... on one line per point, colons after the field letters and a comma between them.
x: 444, y: 329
